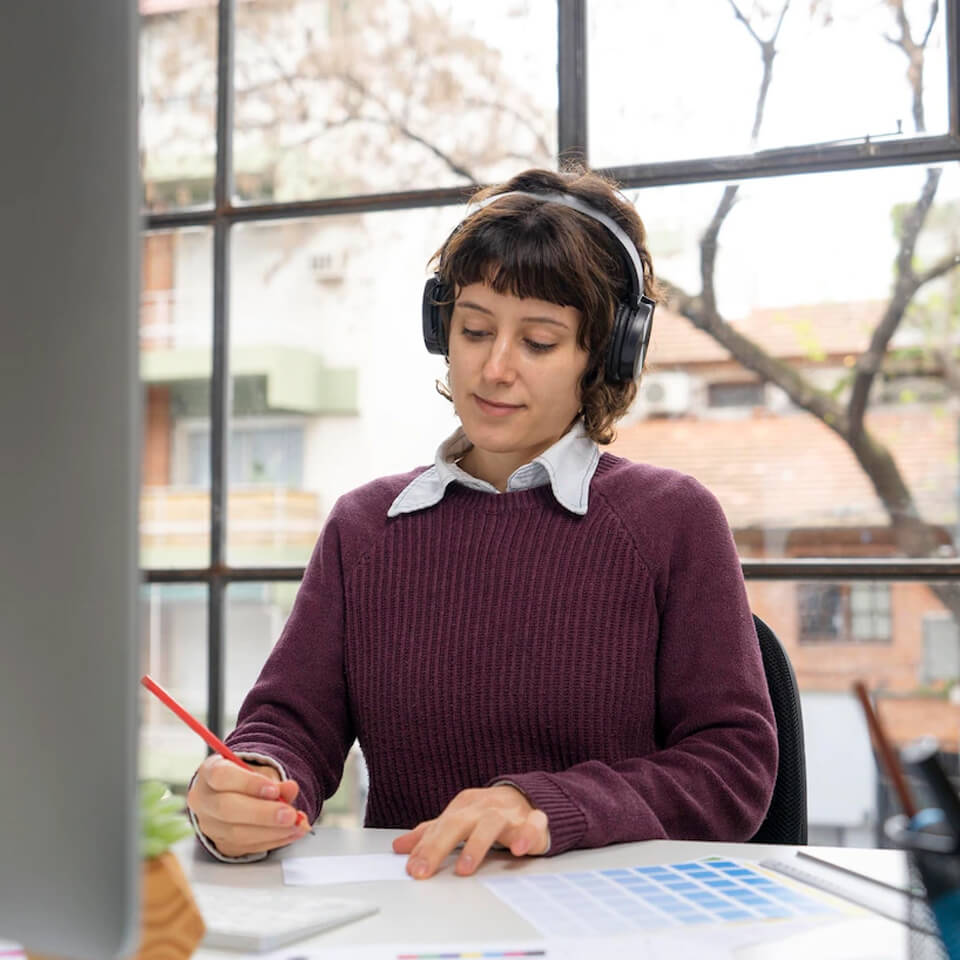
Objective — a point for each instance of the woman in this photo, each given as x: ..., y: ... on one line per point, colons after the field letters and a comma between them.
x: 538, y: 645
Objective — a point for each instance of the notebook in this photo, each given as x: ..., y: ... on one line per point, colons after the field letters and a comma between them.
x: 263, y: 918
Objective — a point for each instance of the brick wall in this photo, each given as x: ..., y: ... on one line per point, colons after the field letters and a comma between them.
x: 157, y: 437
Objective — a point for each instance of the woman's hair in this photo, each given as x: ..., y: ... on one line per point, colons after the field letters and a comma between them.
x: 526, y: 248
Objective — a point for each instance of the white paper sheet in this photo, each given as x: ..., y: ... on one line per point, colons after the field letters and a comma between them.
x: 359, y: 868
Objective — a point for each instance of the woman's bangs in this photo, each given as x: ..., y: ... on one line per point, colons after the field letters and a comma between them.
x: 521, y: 266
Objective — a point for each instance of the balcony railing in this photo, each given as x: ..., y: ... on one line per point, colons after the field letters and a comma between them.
x: 172, y: 319
x: 266, y: 522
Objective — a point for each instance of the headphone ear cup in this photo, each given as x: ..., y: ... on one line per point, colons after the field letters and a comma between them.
x: 615, y: 360
x: 628, y: 345
x: 434, y: 293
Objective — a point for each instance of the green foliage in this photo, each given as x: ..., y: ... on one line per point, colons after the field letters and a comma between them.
x: 806, y: 335
x: 841, y: 384
x: 162, y: 820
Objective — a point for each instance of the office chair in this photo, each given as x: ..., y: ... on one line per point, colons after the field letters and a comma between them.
x: 786, y: 819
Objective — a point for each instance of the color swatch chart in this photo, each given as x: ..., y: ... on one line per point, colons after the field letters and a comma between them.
x: 474, y: 955
x: 609, y: 902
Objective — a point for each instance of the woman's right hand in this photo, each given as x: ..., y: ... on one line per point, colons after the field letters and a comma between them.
x: 244, y: 812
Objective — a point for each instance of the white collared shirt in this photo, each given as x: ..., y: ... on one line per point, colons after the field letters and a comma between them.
x: 568, y: 466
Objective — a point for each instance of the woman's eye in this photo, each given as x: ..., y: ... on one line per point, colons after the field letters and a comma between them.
x: 534, y: 345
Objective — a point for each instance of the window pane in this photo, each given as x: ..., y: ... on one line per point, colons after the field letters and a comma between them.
x: 256, y: 613
x: 332, y: 383
x: 178, y: 85
x: 175, y: 364
x: 912, y: 678
x: 692, y: 85
x: 868, y: 622
x: 804, y: 271
x: 174, y: 652
x: 861, y: 598
x: 335, y: 99
x: 823, y: 612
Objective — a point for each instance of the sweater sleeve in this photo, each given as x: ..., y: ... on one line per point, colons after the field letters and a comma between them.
x: 205, y: 841
x: 711, y: 776
x: 298, y: 712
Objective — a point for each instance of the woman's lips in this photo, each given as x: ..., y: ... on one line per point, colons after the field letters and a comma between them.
x: 496, y: 409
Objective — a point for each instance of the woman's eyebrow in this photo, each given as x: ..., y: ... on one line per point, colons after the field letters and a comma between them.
x: 470, y: 305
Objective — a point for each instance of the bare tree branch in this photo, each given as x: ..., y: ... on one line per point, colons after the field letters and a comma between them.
x: 397, y: 124
x: 392, y: 124
x: 906, y: 285
x: 457, y: 168
x: 516, y: 114
x: 914, y: 53
x: 747, y: 353
x: 942, y: 266
x: 708, y: 246
x: 934, y: 8
x: 767, y: 52
x: 783, y: 13
x: 914, y: 221
x: 708, y: 242
x: 745, y: 22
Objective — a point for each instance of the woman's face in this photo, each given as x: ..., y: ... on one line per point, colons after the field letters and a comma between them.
x: 515, y: 369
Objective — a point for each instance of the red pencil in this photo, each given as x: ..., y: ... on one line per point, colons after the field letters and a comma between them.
x: 196, y: 726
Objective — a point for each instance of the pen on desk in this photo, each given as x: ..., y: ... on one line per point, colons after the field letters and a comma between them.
x: 912, y: 892
x: 887, y: 756
x: 211, y: 739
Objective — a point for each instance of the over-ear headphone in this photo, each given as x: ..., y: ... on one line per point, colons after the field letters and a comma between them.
x: 633, y: 318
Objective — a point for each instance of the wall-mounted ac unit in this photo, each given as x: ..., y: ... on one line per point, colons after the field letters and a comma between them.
x: 328, y: 268
x: 665, y: 394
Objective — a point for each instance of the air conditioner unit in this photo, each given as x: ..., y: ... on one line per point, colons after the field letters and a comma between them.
x: 327, y: 268
x: 665, y: 394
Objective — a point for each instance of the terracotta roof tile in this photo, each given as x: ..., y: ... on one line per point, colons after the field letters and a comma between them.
x: 792, y: 471
x: 799, y: 332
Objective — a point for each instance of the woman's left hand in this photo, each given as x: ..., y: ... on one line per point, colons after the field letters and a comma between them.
x: 479, y: 819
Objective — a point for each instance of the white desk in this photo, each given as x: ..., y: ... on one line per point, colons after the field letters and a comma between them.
x: 448, y: 908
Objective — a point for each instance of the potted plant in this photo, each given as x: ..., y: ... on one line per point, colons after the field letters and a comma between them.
x: 170, y: 922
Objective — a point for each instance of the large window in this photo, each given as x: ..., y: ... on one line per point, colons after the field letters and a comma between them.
x: 303, y: 159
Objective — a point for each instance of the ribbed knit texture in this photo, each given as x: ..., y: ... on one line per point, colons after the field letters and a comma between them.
x: 606, y: 664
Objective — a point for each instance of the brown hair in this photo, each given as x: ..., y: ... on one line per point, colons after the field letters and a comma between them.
x: 525, y: 248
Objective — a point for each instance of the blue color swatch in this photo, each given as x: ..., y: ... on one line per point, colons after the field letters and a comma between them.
x: 598, y: 902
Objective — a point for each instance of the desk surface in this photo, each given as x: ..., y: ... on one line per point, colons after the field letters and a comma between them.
x: 448, y: 908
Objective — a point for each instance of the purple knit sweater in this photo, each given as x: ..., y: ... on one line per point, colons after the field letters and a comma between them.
x: 605, y: 664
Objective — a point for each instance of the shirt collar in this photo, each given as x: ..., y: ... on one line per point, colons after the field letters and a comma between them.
x: 567, y: 466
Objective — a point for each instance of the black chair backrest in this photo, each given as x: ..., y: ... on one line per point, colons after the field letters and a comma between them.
x: 786, y: 819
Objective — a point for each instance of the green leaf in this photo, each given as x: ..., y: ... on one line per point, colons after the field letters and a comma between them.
x: 162, y: 819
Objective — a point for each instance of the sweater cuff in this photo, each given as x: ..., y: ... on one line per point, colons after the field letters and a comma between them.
x: 565, y: 820
x: 205, y: 841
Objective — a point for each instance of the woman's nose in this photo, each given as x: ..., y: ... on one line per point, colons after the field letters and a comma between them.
x: 499, y: 363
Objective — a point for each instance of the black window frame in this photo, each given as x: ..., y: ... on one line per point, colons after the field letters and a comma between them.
x: 223, y: 215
